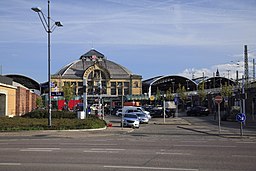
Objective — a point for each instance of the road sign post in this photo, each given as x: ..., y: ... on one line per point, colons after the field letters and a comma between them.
x: 218, y: 100
x: 241, y: 117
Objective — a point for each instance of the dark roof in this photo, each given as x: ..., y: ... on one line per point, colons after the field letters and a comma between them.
x: 76, y: 69
x: 25, y: 81
x: 6, y: 80
x: 91, y: 53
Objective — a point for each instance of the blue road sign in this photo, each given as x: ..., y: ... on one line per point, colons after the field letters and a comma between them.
x: 240, y: 117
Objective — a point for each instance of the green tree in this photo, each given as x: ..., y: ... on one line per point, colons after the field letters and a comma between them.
x: 226, y: 90
x: 68, y: 91
x: 201, y: 92
x: 182, y: 94
x: 39, y: 102
x: 158, y: 95
x: 169, y: 95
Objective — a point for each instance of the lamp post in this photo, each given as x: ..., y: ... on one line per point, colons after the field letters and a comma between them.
x: 120, y: 85
x: 49, y: 29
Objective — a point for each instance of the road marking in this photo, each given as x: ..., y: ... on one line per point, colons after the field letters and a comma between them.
x: 150, y: 168
x: 103, y: 150
x: 10, y: 164
x: 40, y: 149
x: 218, y: 146
x: 244, y: 156
x: 108, y: 149
x: 173, y: 153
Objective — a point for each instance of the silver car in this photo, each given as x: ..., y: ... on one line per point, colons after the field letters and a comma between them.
x: 131, y: 120
x: 143, y: 117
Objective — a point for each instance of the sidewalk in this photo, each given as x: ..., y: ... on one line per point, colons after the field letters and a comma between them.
x: 227, y: 129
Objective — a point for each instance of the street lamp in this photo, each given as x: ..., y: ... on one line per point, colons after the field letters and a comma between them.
x: 49, y: 29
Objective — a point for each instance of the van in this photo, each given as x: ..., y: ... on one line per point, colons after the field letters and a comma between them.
x: 135, y: 109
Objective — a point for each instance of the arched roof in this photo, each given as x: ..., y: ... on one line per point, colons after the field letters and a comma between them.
x: 216, y: 82
x: 25, y: 81
x: 76, y: 69
x: 164, y: 83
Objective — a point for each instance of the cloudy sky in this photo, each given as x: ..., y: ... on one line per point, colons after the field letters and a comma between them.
x: 149, y: 37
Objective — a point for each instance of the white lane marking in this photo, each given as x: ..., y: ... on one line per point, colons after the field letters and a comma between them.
x: 214, y: 146
x: 108, y: 149
x: 103, y: 150
x: 248, y: 142
x: 89, y: 151
x: 40, y: 149
x: 172, y: 153
x: 150, y: 168
x: 244, y: 156
x: 10, y: 164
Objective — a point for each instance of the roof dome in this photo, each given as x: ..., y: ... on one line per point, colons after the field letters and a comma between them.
x: 76, y: 69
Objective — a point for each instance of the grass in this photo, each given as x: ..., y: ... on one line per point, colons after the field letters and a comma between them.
x: 59, y: 122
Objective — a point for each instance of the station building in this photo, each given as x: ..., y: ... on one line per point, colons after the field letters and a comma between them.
x: 103, y: 77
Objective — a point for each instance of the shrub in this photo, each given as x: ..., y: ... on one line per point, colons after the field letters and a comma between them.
x: 26, y: 123
x: 41, y: 113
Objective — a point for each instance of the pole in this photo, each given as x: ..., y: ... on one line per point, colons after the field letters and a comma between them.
x: 219, y: 117
x: 164, y: 109
x: 49, y: 68
x: 85, y: 96
x: 241, y: 129
x: 122, y: 101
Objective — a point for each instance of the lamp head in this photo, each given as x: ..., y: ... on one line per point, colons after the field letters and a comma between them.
x: 58, y: 24
x: 36, y: 9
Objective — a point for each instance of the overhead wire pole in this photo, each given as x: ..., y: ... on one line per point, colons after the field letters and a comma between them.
x: 49, y: 29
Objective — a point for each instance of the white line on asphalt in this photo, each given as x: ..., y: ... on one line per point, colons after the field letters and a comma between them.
x: 173, y: 153
x: 248, y: 142
x: 244, y: 156
x: 90, y: 151
x: 150, y: 168
x: 107, y: 149
x: 214, y: 146
x: 40, y: 149
x: 10, y: 164
x: 104, y: 150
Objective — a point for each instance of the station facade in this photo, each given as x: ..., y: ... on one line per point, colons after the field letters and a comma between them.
x: 103, y: 78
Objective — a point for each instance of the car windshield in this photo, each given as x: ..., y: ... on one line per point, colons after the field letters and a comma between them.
x: 140, y: 115
x: 130, y: 116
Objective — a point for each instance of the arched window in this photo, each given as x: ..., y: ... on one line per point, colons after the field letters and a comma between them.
x: 96, y: 83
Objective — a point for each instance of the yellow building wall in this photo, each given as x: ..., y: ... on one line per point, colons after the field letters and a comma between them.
x: 10, y: 93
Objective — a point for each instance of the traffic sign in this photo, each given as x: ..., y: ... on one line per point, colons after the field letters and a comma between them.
x: 241, y: 117
x: 218, y: 99
x: 57, y: 93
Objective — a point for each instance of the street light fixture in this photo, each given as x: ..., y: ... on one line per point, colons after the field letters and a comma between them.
x: 49, y: 29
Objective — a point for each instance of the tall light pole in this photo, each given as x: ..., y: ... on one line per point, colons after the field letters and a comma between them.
x: 49, y: 29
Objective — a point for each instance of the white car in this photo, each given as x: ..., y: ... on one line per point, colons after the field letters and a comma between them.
x: 119, y: 112
x: 131, y: 120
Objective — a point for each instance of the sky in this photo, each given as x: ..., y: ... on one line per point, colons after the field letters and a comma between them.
x: 149, y: 37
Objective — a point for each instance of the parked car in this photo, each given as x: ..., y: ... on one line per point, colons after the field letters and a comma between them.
x: 159, y: 113
x: 143, y: 118
x: 135, y: 111
x: 119, y: 112
x: 198, y: 111
x: 131, y: 120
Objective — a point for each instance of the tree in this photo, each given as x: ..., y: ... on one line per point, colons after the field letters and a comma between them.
x: 169, y: 95
x: 39, y: 102
x: 182, y: 94
x: 226, y: 90
x: 68, y: 91
x: 158, y: 95
x: 201, y: 92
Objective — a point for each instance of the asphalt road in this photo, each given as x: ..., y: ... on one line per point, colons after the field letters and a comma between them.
x: 151, y: 147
